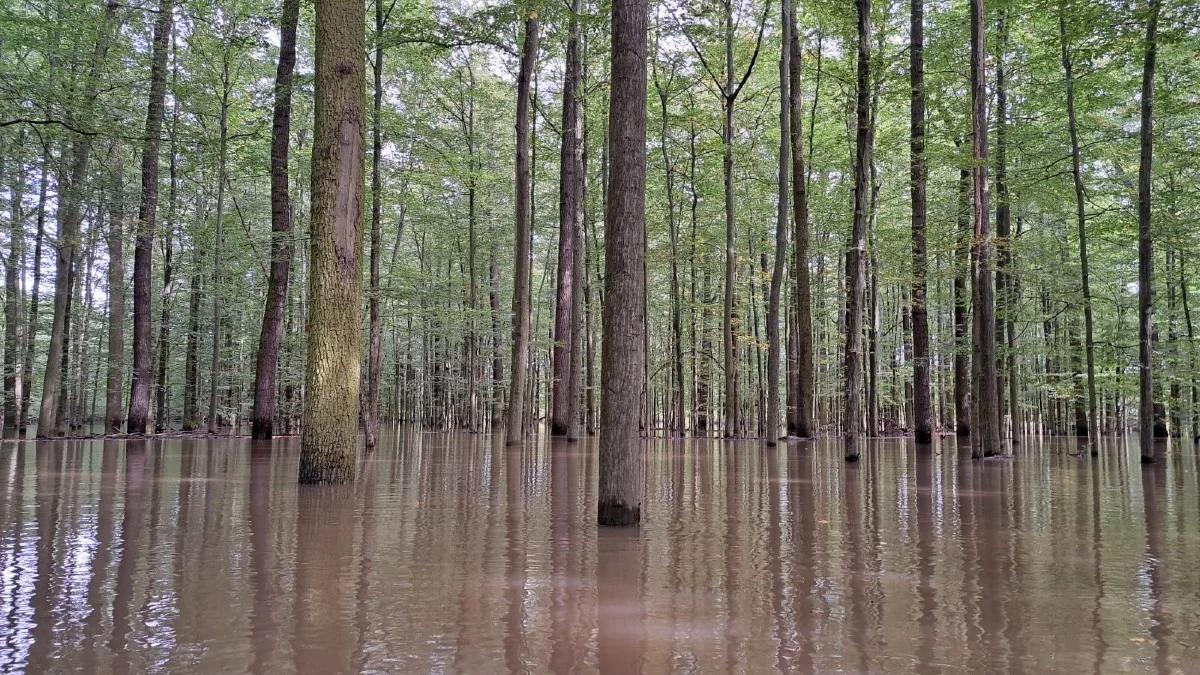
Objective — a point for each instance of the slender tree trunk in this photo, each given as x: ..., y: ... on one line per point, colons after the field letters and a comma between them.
x: 114, y: 412
x: 1004, y: 243
x: 728, y: 334
x: 523, y: 236
x: 919, y: 175
x: 801, y: 409
x: 31, y: 326
x: 678, y: 382
x: 1146, y: 243
x: 370, y: 414
x: 565, y: 329
x: 191, y: 359
x: 856, y: 251
x: 1091, y: 426
x: 214, y: 423
x: 781, y: 227
x: 962, y: 309
x: 620, y: 489
x: 985, y: 398
x: 13, y: 300
x: 267, y: 362
x: 70, y: 215
x: 162, y: 414
x: 329, y: 440
x: 143, y: 252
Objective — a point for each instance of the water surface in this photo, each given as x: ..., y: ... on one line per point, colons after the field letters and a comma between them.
x: 453, y: 553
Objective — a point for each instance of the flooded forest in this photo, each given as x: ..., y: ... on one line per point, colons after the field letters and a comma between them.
x: 627, y: 336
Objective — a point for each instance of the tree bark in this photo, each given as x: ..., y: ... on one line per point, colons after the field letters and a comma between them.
x: 191, y: 358
x: 987, y: 440
x: 267, y: 362
x: 919, y: 175
x: 162, y: 414
x: 962, y: 306
x: 522, y: 239
x: 143, y: 252
x: 329, y: 440
x: 1146, y: 243
x: 31, y: 325
x: 620, y: 489
x: 856, y: 251
x: 214, y: 369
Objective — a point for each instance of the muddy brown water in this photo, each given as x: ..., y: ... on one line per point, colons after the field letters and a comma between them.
x: 453, y: 553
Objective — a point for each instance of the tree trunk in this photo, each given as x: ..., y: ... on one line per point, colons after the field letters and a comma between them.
x: 566, y: 330
x: 986, y: 408
x: 329, y: 440
x: 522, y: 239
x: 962, y: 308
x: 143, y: 252
x: 781, y: 227
x: 114, y: 412
x: 31, y: 325
x: 191, y: 359
x: 800, y: 412
x: 919, y: 175
x: 620, y: 481
x: 370, y: 414
x: 267, y: 362
x: 1091, y: 425
x: 856, y: 252
x: 70, y: 215
x: 728, y: 335
x: 162, y: 414
x: 13, y: 300
x: 214, y: 422
x: 678, y: 398
x: 1146, y: 244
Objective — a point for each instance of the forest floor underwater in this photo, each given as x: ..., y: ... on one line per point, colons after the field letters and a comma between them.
x: 454, y: 553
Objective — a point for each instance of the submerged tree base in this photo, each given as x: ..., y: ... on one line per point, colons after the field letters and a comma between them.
x: 329, y: 467
x: 618, y: 514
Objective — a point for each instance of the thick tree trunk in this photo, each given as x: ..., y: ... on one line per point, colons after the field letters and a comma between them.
x: 564, y: 361
x: 800, y: 410
x: 114, y: 412
x: 70, y: 215
x: 1091, y: 425
x: 267, y: 362
x: 329, y: 440
x: 620, y: 481
x: 522, y: 239
x: 1146, y: 244
x: 143, y: 252
x: 857, y: 246
x: 987, y: 439
x: 919, y: 175
x: 781, y: 228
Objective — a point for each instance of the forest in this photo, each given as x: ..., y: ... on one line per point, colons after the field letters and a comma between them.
x: 735, y: 219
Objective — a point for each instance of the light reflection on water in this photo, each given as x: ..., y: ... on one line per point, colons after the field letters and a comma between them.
x: 455, y: 553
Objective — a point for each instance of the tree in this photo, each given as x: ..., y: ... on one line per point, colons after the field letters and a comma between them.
x: 1146, y: 242
x: 370, y: 412
x: 267, y: 364
x: 522, y: 236
x: 114, y: 414
x: 919, y: 175
x: 570, y: 210
x: 802, y: 338
x: 13, y: 299
x: 1091, y: 428
x: 857, y: 246
x: 329, y: 440
x: 986, y: 442
x: 139, y: 389
x: 781, y: 225
x: 620, y: 489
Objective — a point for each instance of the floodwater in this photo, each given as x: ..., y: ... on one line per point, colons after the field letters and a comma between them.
x: 455, y: 554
